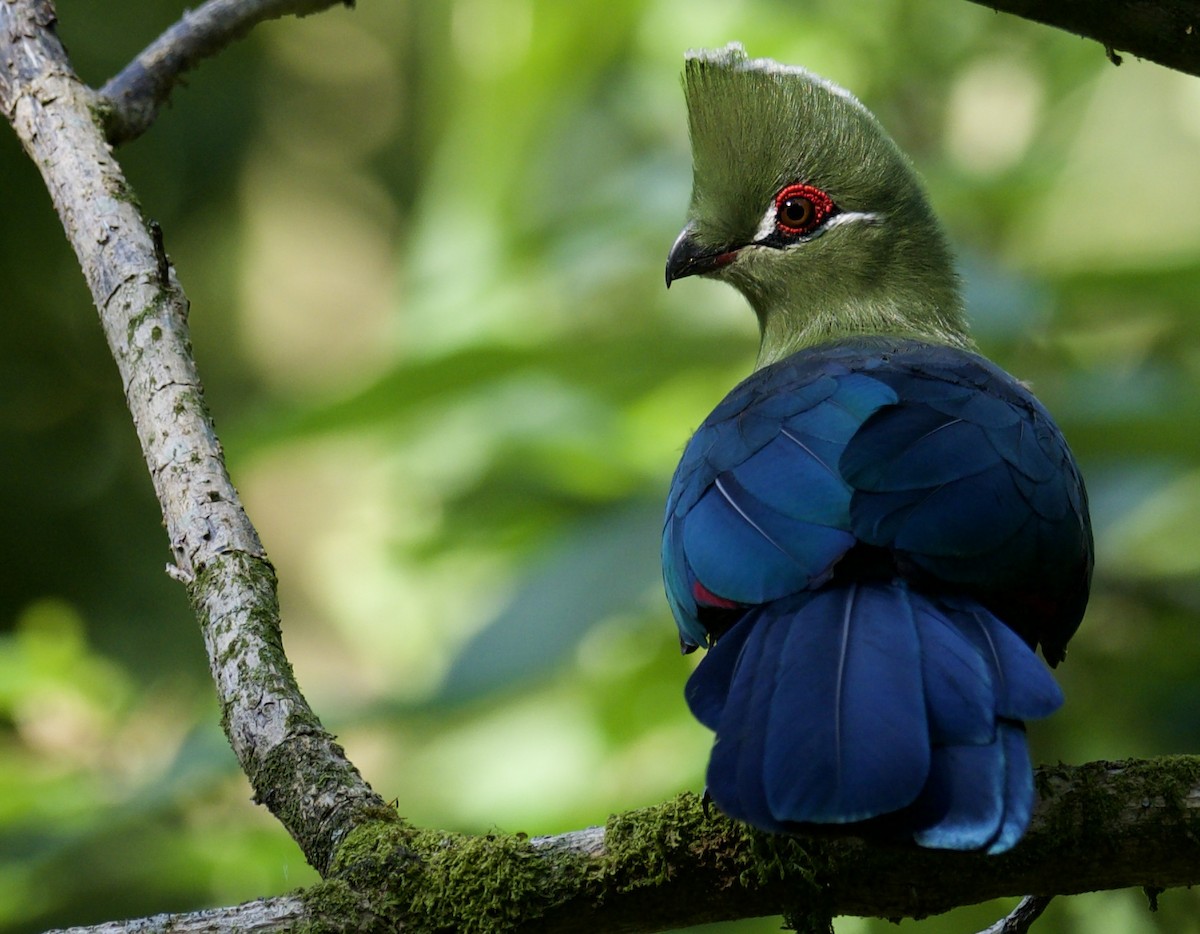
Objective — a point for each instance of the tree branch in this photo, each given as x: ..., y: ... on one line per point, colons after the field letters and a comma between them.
x: 1021, y: 918
x: 131, y: 100
x: 259, y: 917
x: 293, y: 764
x: 1162, y: 31
x: 1104, y: 825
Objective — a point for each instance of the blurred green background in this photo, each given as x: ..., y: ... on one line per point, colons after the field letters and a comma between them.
x: 424, y: 245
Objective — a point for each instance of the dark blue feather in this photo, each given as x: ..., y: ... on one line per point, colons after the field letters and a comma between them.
x: 1018, y: 788
x: 967, y: 792
x: 1024, y: 689
x: 914, y: 447
x: 745, y: 552
x: 876, y: 533
x: 959, y: 691
x: 736, y: 765
x: 708, y: 687
x: 851, y: 663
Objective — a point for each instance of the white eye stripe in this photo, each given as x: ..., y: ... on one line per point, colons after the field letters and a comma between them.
x: 766, y: 227
x: 854, y: 217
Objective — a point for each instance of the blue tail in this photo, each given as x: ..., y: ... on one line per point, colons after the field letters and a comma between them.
x: 872, y: 703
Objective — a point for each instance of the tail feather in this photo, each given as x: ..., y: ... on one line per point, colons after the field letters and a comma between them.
x: 706, y: 694
x: 846, y: 706
x: 1025, y: 689
x: 959, y: 695
x: 872, y: 703
x: 736, y: 764
x: 966, y: 791
x: 1019, y: 792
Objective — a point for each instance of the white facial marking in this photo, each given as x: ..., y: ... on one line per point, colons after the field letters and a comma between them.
x: 766, y: 227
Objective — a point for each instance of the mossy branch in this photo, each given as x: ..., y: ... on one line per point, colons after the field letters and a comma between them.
x: 1162, y: 31
x: 1104, y: 825
x: 1099, y: 826
x: 293, y: 764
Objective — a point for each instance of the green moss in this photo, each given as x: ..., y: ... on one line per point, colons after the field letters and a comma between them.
x: 1175, y: 775
x: 1088, y: 804
x: 434, y: 882
x: 650, y: 846
x: 441, y: 882
x: 645, y: 847
x: 102, y: 114
x: 122, y: 192
x: 371, y: 843
x: 189, y: 399
x: 335, y: 906
x: 137, y: 320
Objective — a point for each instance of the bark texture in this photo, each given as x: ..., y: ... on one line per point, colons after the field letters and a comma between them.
x: 1162, y: 31
x: 259, y: 917
x: 293, y: 764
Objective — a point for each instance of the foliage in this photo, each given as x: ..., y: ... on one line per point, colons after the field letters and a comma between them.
x: 424, y: 246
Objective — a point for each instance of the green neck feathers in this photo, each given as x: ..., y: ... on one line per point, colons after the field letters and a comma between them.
x: 871, y: 261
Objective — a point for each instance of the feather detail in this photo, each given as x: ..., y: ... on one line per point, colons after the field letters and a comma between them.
x: 871, y: 701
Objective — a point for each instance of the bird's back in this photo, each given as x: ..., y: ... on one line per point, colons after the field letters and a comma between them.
x: 873, y: 457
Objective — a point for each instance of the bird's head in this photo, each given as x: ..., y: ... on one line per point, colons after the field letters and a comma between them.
x: 803, y: 203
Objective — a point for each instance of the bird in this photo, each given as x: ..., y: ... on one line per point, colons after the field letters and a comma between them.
x: 873, y: 533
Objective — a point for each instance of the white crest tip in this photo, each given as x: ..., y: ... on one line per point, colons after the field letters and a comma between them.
x: 734, y: 56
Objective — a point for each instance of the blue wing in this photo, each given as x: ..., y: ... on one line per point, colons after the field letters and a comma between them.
x: 853, y: 527
x: 759, y: 508
x: 968, y: 480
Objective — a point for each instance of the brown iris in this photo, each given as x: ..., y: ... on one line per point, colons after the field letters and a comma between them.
x: 800, y: 209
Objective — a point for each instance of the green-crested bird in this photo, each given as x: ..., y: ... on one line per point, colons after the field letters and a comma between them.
x: 874, y: 531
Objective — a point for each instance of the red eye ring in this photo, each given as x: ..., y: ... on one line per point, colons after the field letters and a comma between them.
x: 800, y: 209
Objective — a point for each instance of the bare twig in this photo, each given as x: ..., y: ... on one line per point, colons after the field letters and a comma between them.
x: 1021, y: 918
x: 293, y: 764
x: 1163, y: 31
x: 160, y: 254
x: 132, y: 98
x: 260, y: 917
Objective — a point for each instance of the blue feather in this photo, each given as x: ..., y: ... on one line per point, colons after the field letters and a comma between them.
x: 959, y: 690
x: 851, y: 663
x: 1024, y: 689
x: 968, y: 786
x: 1018, y: 788
x: 909, y: 447
x: 708, y: 687
x: 826, y: 496
x: 876, y: 533
x: 742, y: 552
x: 736, y: 776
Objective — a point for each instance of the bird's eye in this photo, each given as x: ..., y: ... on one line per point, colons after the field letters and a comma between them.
x: 796, y: 212
x: 800, y: 209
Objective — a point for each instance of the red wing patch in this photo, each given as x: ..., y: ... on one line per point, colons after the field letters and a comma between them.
x: 706, y: 597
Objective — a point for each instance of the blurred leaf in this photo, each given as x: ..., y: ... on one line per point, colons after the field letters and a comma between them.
x: 602, y: 567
